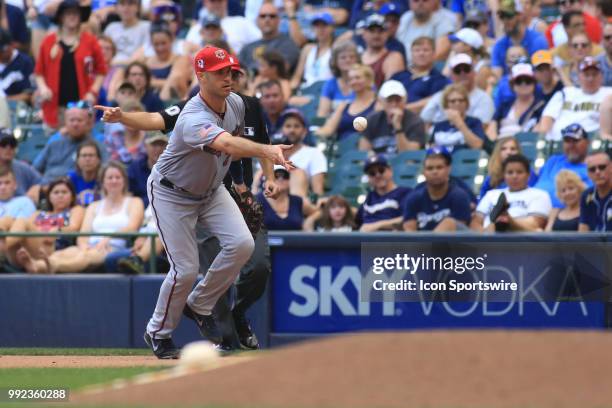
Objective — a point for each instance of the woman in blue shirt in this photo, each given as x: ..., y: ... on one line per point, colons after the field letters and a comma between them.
x: 287, y: 211
x: 340, y: 123
x: 85, y: 175
x: 337, y: 90
x: 458, y: 130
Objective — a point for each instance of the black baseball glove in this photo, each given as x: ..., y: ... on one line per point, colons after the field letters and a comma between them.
x: 251, y: 209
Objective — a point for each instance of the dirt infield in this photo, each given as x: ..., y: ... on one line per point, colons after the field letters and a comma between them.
x: 82, y: 361
x: 418, y: 369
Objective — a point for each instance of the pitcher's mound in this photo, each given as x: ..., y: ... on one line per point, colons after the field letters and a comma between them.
x: 408, y: 369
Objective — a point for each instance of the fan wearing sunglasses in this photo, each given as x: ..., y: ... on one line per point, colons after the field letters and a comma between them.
x: 596, y: 201
x: 383, y: 206
x: 523, y: 114
x: 579, y: 47
x: 480, y: 103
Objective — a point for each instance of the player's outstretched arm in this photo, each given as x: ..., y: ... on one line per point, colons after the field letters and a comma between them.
x: 136, y: 120
x: 239, y: 147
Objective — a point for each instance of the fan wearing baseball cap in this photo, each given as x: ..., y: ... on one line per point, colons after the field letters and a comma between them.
x: 480, y: 103
x: 394, y: 128
x: 383, y: 62
x: 542, y: 62
x: 576, y: 104
x: 522, y: 114
x: 516, y: 33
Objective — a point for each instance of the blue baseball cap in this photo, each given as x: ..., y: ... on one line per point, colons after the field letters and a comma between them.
x: 574, y: 131
x: 322, y: 17
x: 389, y: 8
x: 295, y: 113
x: 439, y: 151
x: 378, y: 160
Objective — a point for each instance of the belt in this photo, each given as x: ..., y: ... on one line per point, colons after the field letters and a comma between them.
x: 168, y: 184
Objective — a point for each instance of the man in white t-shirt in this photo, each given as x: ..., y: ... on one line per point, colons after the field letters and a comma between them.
x: 576, y: 105
x: 517, y: 207
x: 307, y: 158
x: 129, y: 34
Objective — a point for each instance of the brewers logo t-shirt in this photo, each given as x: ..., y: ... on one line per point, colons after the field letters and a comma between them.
x: 572, y: 105
x: 428, y: 213
x: 382, y: 207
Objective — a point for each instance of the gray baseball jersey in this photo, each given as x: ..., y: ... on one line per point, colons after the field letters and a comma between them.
x: 188, y: 161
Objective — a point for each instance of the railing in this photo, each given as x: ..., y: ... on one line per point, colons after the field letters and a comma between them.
x: 152, y: 258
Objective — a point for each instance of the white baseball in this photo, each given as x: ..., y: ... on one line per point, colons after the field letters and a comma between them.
x: 199, y: 354
x: 360, y: 123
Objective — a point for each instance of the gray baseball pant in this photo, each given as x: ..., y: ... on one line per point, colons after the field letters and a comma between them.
x: 177, y: 214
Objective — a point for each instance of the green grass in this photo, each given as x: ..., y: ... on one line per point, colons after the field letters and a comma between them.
x: 34, y: 351
x: 64, y: 377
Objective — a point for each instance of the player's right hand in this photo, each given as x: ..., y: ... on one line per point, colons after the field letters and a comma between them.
x: 110, y: 114
x: 275, y: 154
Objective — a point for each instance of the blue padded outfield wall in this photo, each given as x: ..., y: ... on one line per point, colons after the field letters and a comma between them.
x: 313, y: 291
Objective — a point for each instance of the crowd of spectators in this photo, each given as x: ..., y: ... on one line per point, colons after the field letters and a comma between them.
x: 439, y: 77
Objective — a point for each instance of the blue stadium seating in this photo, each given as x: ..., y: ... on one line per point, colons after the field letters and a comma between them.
x: 32, y: 143
x: 406, y: 175
x: 409, y: 157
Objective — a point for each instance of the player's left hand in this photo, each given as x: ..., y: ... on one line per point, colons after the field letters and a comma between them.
x: 271, y: 189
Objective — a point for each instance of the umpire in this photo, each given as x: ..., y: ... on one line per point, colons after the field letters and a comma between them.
x: 251, y: 282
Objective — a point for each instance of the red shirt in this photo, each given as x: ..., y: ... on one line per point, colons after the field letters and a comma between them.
x: 592, y: 28
x: 89, y: 63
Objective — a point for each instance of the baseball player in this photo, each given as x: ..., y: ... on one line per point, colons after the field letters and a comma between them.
x: 253, y: 277
x: 184, y: 191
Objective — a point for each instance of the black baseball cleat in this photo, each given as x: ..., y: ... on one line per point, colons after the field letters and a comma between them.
x: 164, y: 349
x: 247, y: 338
x: 206, y: 324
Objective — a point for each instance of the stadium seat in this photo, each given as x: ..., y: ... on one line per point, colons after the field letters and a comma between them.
x: 553, y: 147
x: 467, y: 156
x: 32, y: 143
x: 466, y: 172
x: 527, y: 138
x: 12, y: 104
x: 309, y: 110
x: 410, y: 157
x: 317, y: 121
x: 406, y: 175
x: 530, y: 151
x: 346, y: 150
x: 351, y: 194
x: 346, y: 177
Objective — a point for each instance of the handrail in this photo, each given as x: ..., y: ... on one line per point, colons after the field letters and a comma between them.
x: 57, y: 234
